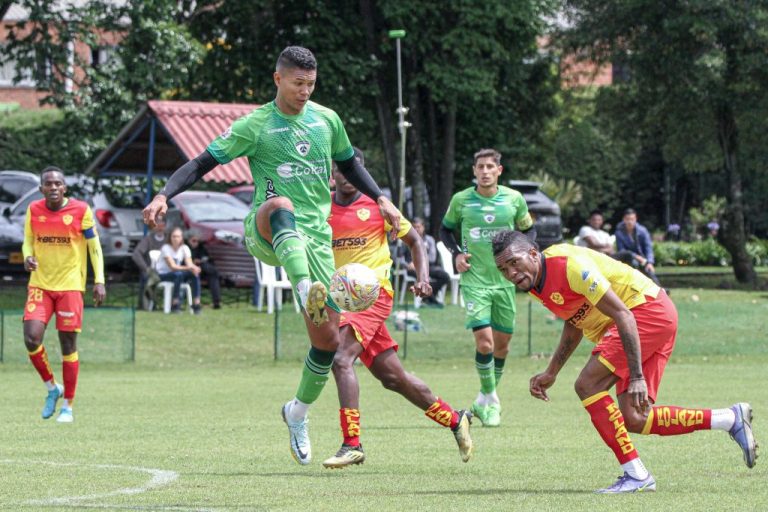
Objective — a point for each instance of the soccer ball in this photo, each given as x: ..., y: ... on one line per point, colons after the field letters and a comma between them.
x: 354, y: 287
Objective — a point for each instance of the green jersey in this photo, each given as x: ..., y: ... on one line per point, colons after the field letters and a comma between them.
x: 480, y: 218
x: 289, y: 156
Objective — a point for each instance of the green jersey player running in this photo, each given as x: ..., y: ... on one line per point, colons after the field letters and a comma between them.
x: 478, y: 213
x: 290, y: 143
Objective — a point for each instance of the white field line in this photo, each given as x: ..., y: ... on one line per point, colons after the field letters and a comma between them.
x: 160, y: 478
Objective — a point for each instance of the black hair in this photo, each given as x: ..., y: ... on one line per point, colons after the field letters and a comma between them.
x: 50, y: 168
x: 506, y: 238
x: 596, y: 211
x: 629, y: 211
x: 296, y: 57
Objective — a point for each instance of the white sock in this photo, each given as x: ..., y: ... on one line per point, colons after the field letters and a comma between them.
x: 480, y: 400
x: 636, y: 469
x: 65, y: 404
x: 302, y: 288
x: 492, y: 398
x: 50, y: 385
x: 297, y: 410
x: 723, y: 419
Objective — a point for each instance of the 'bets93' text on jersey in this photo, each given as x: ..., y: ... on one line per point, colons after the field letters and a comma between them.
x: 289, y: 156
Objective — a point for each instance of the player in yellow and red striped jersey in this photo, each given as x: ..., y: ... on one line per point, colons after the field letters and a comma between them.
x: 59, y: 234
x: 633, y: 324
x: 360, y: 236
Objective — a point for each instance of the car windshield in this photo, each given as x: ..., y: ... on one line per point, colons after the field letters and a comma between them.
x: 209, y: 209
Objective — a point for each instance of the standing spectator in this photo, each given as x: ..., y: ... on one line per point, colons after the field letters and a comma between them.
x: 593, y: 236
x: 59, y: 234
x: 201, y: 258
x: 175, y: 265
x: 438, y: 277
x: 478, y: 213
x: 634, y: 245
x: 148, y: 277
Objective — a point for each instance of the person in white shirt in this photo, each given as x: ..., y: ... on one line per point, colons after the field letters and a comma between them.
x: 175, y: 265
x: 593, y: 236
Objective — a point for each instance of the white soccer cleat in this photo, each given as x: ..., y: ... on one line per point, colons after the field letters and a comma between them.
x: 298, y: 433
x: 65, y: 415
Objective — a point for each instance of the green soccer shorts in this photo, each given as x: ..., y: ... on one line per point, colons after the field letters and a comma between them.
x: 490, y: 306
x: 318, y: 250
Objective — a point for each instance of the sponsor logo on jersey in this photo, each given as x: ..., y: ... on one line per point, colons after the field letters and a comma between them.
x: 65, y: 314
x: 67, y: 219
x: 482, y: 234
x: 557, y: 298
x: 225, y: 135
x: 270, y: 192
x: 363, y: 214
x: 349, y: 242
x: 580, y: 314
x: 316, y: 123
x: 42, y: 218
x: 593, y: 286
x: 296, y: 171
x: 53, y: 239
x: 285, y: 170
x: 303, y: 147
x: 300, y: 133
x: 278, y: 130
x: 584, y: 275
x: 489, y: 217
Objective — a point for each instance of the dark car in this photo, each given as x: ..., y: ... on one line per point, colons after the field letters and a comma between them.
x: 11, y: 240
x: 545, y: 212
x: 14, y: 184
x: 219, y: 219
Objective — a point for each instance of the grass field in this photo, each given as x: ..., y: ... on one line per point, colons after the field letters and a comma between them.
x: 194, y: 424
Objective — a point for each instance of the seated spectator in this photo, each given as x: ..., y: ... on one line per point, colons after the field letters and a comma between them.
x: 175, y: 265
x: 438, y: 277
x: 593, y: 236
x: 634, y: 245
x: 208, y: 269
x: 148, y: 277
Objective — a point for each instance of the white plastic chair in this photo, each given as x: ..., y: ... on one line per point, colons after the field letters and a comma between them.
x: 446, y: 260
x: 167, y: 287
x: 405, y: 279
x: 269, y: 283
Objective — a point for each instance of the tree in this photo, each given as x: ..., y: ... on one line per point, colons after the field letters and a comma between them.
x: 688, y: 61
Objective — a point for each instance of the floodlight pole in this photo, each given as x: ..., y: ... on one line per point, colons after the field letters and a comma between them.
x: 402, y: 125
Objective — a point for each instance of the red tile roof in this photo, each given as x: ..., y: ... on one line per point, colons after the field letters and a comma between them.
x: 194, y: 124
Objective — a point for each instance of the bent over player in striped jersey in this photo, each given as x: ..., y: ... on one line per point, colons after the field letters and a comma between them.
x: 360, y: 236
x: 633, y: 324
x: 59, y: 234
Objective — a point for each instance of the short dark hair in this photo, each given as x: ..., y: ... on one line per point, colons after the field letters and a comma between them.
x: 519, y: 241
x: 50, y: 168
x: 487, y: 152
x: 596, y: 211
x: 629, y: 211
x: 418, y: 220
x: 296, y: 57
x: 359, y: 155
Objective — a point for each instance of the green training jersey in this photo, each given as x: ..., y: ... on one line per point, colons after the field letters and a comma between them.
x: 480, y: 218
x: 289, y: 156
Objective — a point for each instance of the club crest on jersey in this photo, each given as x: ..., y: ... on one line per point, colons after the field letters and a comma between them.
x: 489, y: 217
x: 226, y: 133
x: 303, y: 147
x: 363, y: 214
x: 42, y: 218
x: 67, y: 219
x: 557, y: 298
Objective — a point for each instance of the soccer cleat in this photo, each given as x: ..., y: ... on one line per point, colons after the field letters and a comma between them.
x: 461, y: 433
x: 493, y: 415
x: 50, y: 401
x: 480, y: 412
x: 346, y: 456
x: 741, y: 432
x: 299, y: 437
x: 65, y: 415
x: 626, y: 483
x: 315, y: 303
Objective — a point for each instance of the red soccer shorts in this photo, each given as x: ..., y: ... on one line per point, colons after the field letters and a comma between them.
x: 68, y: 306
x: 657, y: 326
x: 371, y: 329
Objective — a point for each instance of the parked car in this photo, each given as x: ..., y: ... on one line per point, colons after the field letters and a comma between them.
x: 14, y: 184
x: 11, y: 240
x: 243, y: 193
x: 219, y: 219
x: 545, y: 212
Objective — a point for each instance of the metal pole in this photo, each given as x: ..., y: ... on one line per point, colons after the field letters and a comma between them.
x: 277, y: 332
x: 150, y: 165
x: 402, y: 125
x: 530, y: 310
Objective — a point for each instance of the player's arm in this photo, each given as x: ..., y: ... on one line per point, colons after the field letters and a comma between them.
x: 183, y: 178
x: 569, y: 340
x: 611, y: 305
x: 421, y: 288
x: 97, y: 262
x: 28, y: 246
x: 359, y: 176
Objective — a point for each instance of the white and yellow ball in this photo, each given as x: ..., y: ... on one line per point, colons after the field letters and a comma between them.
x: 354, y: 287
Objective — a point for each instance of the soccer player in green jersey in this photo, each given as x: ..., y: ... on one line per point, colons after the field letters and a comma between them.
x: 478, y: 213
x: 290, y: 143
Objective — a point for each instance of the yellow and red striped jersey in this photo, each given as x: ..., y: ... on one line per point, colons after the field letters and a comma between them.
x: 360, y: 236
x: 574, y: 279
x: 59, y: 244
